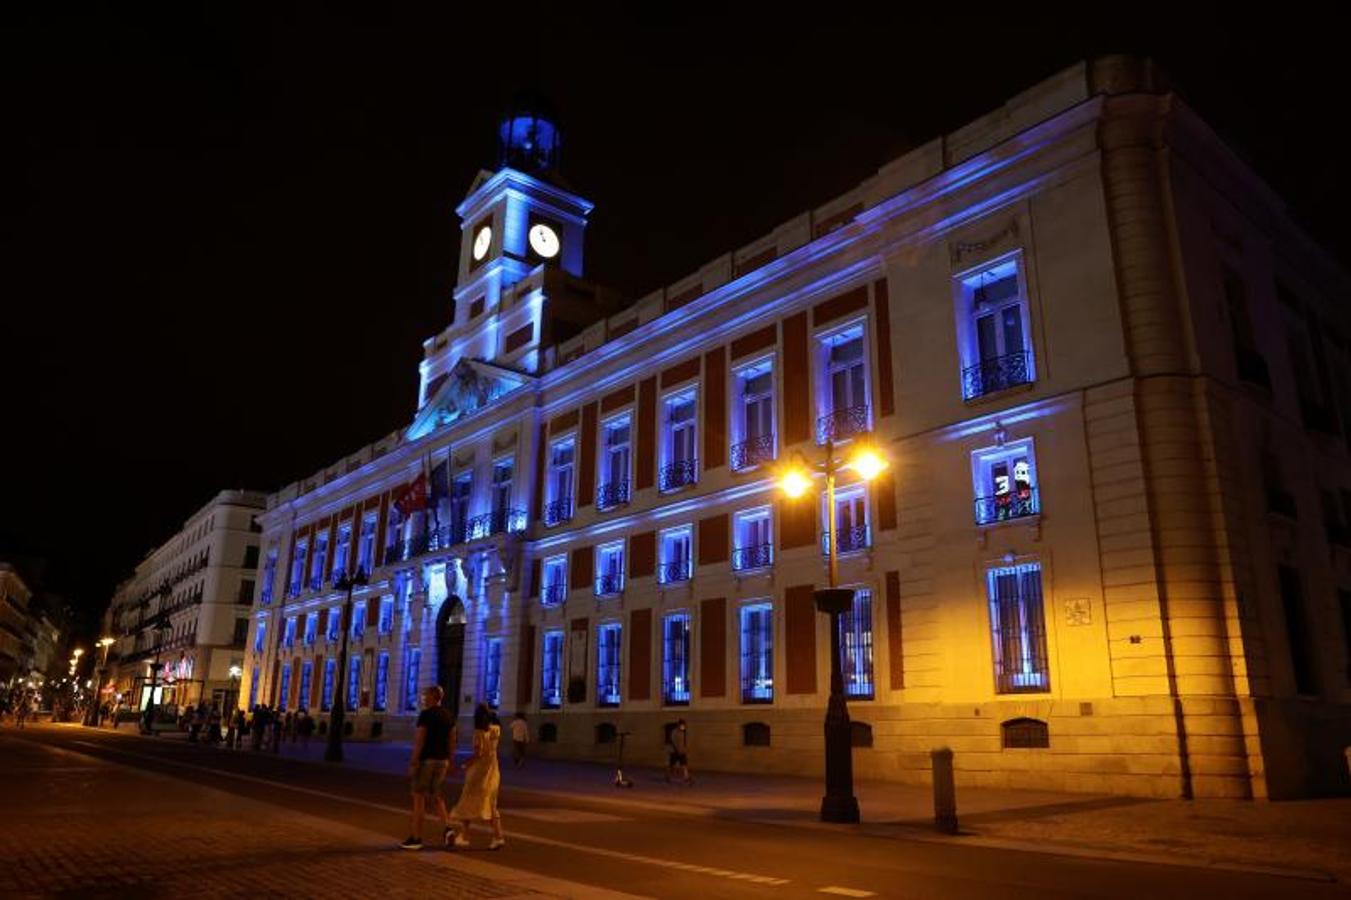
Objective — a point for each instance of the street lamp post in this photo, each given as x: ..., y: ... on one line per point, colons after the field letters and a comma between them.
x: 348, y: 583
x: 839, y: 803
x: 91, y: 716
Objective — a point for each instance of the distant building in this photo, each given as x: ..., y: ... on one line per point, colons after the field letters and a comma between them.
x: 17, y: 627
x: 1112, y: 552
x: 180, y: 619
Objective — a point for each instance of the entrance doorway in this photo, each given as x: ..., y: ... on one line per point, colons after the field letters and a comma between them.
x: 450, y: 652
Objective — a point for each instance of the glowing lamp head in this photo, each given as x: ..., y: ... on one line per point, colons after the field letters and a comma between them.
x: 78, y: 652
x: 868, y: 463
x: 795, y: 483
x: 107, y: 642
x: 236, y: 671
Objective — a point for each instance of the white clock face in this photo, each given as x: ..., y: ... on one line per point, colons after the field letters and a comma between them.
x: 482, y: 241
x: 543, y: 240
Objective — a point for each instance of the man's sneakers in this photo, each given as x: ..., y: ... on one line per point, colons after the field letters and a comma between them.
x: 412, y: 843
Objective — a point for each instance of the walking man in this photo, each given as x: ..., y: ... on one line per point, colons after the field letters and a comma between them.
x: 432, y: 745
x: 678, y: 759
x: 520, y: 736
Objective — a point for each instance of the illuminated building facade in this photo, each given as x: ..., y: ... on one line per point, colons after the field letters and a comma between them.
x: 185, y: 609
x: 1081, y: 330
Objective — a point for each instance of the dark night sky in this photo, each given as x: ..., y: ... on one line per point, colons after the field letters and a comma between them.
x: 215, y: 211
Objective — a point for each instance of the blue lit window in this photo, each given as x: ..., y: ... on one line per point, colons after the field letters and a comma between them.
x: 610, y: 569
x: 492, y: 672
x: 676, y: 555
x: 614, y: 464
x: 1018, y: 629
x: 680, y: 465
x: 358, y: 619
x: 381, y: 680
x: 551, y: 671
x: 253, y: 688
x: 842, y: 396
x: 993, y: 326
x: 269, y: 576
x: 284, y: 695
x: 412, y: 661
x: 607, y: 664
x: 311, y: 628
x: 258, y: 638
x: 1005, y: 479
x: 297, y: 578
x: 288, y: 638
x: 754, y: 536
x: 554, y: 578
x: 757, y: 653
x: 334, y: 623
x: 317, y: 563
x: 386, y: 622
x: 343, y: 548
x: 366, y: 543
x: 856, y: 646
x: 753, y: 441
x: 558, y: 505
x: 353, y: 682
x: 306, y: 678
x: 675, y: 659
x: 330, y: 673
x: 851, y: 520
x: 461, y: 491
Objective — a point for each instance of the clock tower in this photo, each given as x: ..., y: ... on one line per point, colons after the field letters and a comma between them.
x: 523, y: 215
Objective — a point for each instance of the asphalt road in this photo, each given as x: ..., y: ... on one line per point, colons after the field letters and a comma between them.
x: 647, y: 852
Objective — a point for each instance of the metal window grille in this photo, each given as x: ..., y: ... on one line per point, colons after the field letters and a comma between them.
x: 284, y: 696
x: 757, y: 557
x: 492, y: 672
x: 386, y: 624
x: 678, y: 474
x: 381, y: 680
x: 1018, y: 625
x: 330, y: 673
x: 757, y: 654
x: 1015, y: 504
x: 1023, y: 733
x: 551, y: 671
x: 842, y: 424
x: 306, y: 678
x: 856, y: 647
x: 353, y: 682
x: 676, y: 660
x: 607, y: 675
x: 996, y: 374
x: 412, y: 662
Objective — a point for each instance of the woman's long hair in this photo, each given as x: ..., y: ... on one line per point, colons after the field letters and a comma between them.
x: 482, y: 717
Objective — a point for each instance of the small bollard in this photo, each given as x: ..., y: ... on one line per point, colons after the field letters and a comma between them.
x: 945, y: 791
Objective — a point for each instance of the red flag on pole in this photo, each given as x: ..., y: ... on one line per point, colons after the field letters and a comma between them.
x: 413, y: 497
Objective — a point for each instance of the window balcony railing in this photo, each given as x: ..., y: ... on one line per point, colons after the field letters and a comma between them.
x: 553, y: 594
x: 997, y: 374
x: 842, y: 424
x: 499, y: 521
x: 445, y: 536
x: 609, y: 585
x: 678, y: 474
x: 612, y: 494
x: 754, y: 452
x: 1013, y: 505
x: 557, y: 511
x: 673, y: 572
x: 851, y: 540
x: 758, y: 557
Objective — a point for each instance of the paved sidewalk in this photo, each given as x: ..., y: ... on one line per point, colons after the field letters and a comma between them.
x: 1309, y: 838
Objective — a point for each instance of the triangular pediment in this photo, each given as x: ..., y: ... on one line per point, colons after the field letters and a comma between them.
x: 470, y: 386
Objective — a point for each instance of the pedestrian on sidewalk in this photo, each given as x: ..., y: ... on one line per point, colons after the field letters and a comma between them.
x: 288, y: 727
x: 258, y: 726
x: 677, y: 753
x: 304, y: 727
x: 21, y: 711
x: 278, y: 723
x: 433, y: 742
x: 482, y: 779
x: 213, y: 736
x: 236, y: 722
x: 520, y: 736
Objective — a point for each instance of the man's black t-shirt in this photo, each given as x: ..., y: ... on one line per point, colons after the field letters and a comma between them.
x: 438, y: 723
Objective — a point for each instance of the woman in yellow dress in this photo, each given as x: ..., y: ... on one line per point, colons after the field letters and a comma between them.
x: 482, y: 778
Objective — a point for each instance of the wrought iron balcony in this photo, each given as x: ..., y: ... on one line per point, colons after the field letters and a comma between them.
x: 678, y: 474
x: 997, y: 374
x: 612, y: 494
x: 851, y: 540
x: 842, y: 424
x: 754, y: 452
x: 673, y: 572
x: 499, y: 521
x: 609, y: 585
x: 1013, y: 505
x: 553, y: 594
x: 558, y: 511
x: 757, y: 557
x: 444, y: 536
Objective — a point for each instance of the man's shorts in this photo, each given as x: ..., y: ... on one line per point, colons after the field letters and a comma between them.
x: 678, y: 759
x: 430, y: 775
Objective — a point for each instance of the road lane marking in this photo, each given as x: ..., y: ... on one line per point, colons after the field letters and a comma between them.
x: 845, y: 892
x: 564, y: 816
x: 399, y: 810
